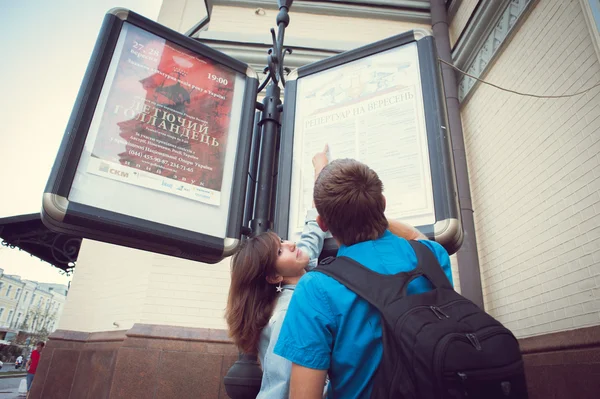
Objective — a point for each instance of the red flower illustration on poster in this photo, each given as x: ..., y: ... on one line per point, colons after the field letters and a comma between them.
x: 166, y: 118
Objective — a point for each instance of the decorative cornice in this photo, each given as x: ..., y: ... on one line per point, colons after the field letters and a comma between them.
x: 409, y: 4
x: 479, y: 27
x: 490, y: 26
x: 396, y: 10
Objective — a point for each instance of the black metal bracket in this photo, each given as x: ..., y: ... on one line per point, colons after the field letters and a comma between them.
x: 268, y: 126
x: 275, y: 70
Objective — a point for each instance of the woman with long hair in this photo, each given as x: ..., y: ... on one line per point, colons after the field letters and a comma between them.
x: 264, y: 273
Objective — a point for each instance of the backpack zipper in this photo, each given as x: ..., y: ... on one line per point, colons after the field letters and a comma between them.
x: 474, y: 341
x: 443, y: 344
x: 439, y: 312
x: 489, y: 373
x: 441, y: 315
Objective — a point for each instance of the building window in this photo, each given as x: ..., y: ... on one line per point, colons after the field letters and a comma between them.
x: 26, y: 295
x: 17, y: 293
x: 1, y: 285
x: 32, y: 299
x: 8, y: 319
x: 595, y: 6
x: 40, y: 301
x: 18, y: 319
x: 1, y: 313
x: 591, y: 13
x: 8, y: 290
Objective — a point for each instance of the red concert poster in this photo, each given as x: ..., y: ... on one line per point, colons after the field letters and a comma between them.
x: 165, y: 119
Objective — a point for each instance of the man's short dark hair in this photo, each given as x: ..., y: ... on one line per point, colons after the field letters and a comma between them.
x: 349, y: 197
x: 41, y: 343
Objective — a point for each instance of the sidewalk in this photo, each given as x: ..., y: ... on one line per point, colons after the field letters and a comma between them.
x: 9, y: 388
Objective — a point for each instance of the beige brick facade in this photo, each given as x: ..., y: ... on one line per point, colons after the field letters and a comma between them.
x: 108, y: 288
x: 188, y: 294
x: 534, y: 173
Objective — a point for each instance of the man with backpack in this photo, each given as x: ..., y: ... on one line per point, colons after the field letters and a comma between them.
x: 382, y: 319
x: 328, y: 328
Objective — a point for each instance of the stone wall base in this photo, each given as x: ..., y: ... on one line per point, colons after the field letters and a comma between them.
x: 563, y: 365
x: 146, y: 362
x: 163, y: 362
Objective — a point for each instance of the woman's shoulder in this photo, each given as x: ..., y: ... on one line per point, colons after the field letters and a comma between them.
x: 276, y: 320
x: 283, y: 302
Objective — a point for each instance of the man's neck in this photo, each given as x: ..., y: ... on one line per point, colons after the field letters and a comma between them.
x: 374, y: 236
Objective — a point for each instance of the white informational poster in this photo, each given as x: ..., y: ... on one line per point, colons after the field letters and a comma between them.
x: 371, y: 110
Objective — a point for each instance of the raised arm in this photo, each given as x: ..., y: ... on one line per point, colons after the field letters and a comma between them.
x: 405, y: 231
x: 319, y: 161
x: 311, y: 240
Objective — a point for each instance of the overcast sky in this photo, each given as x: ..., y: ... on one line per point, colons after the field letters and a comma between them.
x: 45, y: 47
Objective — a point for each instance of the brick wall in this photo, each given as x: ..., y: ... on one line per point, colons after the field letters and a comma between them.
x: 455, y: 276
x: 109, y: 286
x: 185, y: 293
x: 120, y: 285
x: 460, y: 19
x: 534, y: 170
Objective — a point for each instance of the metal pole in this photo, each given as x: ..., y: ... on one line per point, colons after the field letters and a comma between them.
x: 266, y: 164
x: 252, y: 175
x: 243, y: 379
x: 468, y: 260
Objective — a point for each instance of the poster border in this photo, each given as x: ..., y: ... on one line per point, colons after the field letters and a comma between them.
x: 447, y: 229
x: 59, y: 214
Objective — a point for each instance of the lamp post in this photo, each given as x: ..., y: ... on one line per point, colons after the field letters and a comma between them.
x: 244, y: 378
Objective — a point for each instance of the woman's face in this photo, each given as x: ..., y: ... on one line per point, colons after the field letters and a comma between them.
x: 291, y: 261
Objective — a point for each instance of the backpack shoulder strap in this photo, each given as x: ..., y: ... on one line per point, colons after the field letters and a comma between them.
x: 377, y: 289
x: 429, y: 266
x: 382, y: 289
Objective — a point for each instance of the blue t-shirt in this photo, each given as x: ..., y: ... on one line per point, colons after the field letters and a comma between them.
x: 328, y: 327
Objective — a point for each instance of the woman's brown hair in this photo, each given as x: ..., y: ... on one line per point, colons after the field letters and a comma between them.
x: 251, y: 298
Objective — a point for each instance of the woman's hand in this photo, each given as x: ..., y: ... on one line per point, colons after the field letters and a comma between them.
x: 320, y: 160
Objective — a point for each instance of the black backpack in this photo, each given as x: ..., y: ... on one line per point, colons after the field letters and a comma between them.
x: 436, y: 345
